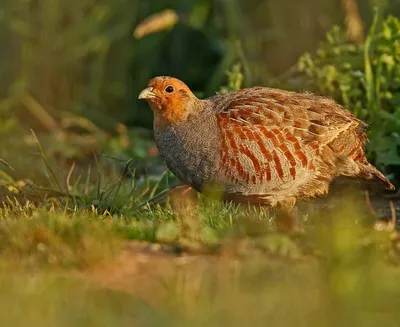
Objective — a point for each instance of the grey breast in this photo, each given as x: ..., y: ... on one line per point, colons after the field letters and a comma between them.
x: 190, y: 149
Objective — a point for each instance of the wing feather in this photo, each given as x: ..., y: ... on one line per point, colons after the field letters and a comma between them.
x: 272, y: 134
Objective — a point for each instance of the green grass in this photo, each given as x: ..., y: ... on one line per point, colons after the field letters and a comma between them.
x: 69, y: 256
x: 340, y: 273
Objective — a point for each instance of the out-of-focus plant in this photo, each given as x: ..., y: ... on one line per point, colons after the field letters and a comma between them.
x: 161, y: 21
x: 354, y: 24
x: 235, y: 79
x: 365, y: 78
x: 61, y: 57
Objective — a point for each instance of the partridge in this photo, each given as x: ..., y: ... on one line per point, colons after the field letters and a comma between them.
x: 259, y: 145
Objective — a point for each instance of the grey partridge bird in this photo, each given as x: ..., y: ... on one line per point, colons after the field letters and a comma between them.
x: 260, y: 145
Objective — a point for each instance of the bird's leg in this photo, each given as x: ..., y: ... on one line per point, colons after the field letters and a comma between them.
x: 176, y: 192
x: 287, y: 218
x: 182, y: 189
x: 185, y: 206
x: 182, y: 195
x: 369, y: 204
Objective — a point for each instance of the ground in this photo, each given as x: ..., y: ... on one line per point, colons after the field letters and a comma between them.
x: 76, y: 271
x: 109, y: 249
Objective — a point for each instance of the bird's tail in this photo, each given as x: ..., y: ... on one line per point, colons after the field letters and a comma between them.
x: 373, y: 175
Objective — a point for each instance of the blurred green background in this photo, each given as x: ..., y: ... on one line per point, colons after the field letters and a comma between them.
x: 76, y: 65
x: 77, y: 233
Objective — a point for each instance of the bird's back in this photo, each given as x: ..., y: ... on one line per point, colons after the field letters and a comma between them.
x: 281, y: 143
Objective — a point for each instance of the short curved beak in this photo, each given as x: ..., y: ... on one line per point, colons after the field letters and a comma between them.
x: 147, y: 94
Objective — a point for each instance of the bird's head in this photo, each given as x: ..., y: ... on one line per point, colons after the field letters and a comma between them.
x: 170, y: 100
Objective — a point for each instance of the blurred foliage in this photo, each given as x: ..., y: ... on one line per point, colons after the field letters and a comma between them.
x: 61, y: 56
x: 85, y: 183
x: 81, y: 57
x: 72, y: 71
x: 365, y: 78
x: 234, y: 79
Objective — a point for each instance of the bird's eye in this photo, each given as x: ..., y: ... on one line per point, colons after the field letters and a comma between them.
x: 169, y: 89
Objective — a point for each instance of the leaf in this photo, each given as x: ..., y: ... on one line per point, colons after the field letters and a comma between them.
x: 163, y: 20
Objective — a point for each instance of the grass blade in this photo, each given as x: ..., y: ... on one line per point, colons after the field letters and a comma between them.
x: 50, y: 173
x: 6, y: 164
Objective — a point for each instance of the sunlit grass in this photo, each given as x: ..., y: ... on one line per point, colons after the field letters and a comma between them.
x: 85, y: 250
x: 341, y: 273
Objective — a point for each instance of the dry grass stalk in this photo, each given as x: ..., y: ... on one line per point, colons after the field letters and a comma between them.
x: 353, y: 21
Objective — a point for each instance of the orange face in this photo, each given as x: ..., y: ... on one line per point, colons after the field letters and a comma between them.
x: 168, y: 98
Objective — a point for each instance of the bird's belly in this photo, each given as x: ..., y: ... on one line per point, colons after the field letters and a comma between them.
x: 194, y: 159
x: 191, y: 169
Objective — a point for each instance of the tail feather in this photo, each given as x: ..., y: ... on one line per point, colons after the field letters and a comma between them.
x: 373, y: 175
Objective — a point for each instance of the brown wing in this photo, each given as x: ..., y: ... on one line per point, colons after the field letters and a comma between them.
x: 271, y: 134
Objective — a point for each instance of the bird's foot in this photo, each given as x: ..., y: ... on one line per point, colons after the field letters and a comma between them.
x: 288, y: 221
